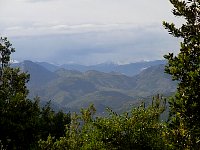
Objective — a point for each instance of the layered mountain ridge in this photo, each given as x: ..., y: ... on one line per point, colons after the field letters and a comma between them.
x: 73, y: 89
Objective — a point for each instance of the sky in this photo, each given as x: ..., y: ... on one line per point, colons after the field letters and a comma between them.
x: 87, y: 31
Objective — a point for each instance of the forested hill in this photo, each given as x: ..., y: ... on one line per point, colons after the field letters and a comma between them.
x: 73, y: 89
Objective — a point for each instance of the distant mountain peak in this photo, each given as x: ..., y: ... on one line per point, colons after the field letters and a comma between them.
x: 13, y: 61
x: 130, y: 69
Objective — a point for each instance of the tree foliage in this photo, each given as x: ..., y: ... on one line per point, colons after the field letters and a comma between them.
x: 5, y: 50
x: 185, y: 67
x: 22, y: 121
x: 139, y: 129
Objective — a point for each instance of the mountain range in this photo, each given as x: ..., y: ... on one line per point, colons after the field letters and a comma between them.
x: 72, y: 87
x: 127, y: 69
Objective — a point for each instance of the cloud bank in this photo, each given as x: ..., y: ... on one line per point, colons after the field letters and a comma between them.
x: 87, y: 31
x: 122, y: 45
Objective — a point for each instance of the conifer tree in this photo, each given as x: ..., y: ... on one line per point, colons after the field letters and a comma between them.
x: 185, y: 68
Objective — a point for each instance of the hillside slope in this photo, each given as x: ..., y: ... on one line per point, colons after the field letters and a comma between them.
x: 74, y: 89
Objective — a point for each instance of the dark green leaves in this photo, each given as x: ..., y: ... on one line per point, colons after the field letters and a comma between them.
x: 22, y: 121
x: 185, y: 67
x: 5, y: 50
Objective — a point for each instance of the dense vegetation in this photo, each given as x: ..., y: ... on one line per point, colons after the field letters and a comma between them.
x: 184, y: 123
x: 25, y: 125
x: 22, y: 121
x: 138, y: 129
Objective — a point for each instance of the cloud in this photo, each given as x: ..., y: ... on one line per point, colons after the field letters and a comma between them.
x: 34, y: 1
x: 86, y: 31
x: 38, y: 29
x: 124, y: 45
x: 75, y: 12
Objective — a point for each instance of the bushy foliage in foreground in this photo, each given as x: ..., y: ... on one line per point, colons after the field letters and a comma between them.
x: 138, y: 129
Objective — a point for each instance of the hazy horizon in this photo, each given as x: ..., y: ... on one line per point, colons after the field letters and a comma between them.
x: 71, y: 63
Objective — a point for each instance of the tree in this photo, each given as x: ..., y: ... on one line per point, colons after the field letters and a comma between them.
x: 16, y: 111
x: 5, y: 50
x: 52, y: 123
x: 22, y: 121
x: 138, y: 129
x: 185, y: 67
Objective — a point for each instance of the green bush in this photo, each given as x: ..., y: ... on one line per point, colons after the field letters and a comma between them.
x: 139, y: 129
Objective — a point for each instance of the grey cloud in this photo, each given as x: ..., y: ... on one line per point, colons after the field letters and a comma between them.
x: 39, y: 29
x: 125, y: 46
x: 83, y: 12
x: 86, y: 31
x: 38, y: 0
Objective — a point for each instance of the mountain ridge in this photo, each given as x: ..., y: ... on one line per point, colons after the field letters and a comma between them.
x: 74, y: 89
x: 130, y: 69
